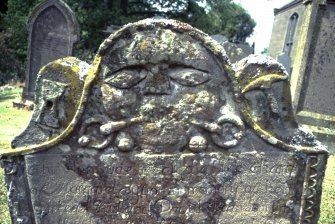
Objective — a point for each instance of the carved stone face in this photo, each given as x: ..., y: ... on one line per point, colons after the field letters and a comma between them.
x: 169, y: 91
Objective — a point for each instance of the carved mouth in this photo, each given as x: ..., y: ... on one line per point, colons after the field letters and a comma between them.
x: 163, y: 133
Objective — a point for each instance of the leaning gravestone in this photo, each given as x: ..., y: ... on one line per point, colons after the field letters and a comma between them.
x: 161, y: 129
x: 53, y: 29
x: 286, y: 61
x: 237, y: 51
x: 234, y: 51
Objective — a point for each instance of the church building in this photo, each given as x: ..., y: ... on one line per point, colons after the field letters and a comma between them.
x: 303, y: 40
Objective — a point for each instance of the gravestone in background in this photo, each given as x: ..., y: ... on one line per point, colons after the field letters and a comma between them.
x: 286, y: 61
x: 234, y: 51
x: 237, y: 51
x: 219, y: 38
x: 161, y: 129
x: 53, y: 29
x: 111, y: 29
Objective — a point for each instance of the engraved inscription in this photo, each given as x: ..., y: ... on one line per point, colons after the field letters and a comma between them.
x: 115, y: 188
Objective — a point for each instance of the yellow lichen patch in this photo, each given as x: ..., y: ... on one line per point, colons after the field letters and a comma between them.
x: 232, y: 74
x: 264, y: 82
x: 168, y: 38
x: 316, y: 116
x: 189, y: 98
x: 205, y: 98
x: 237, y: 75
x: 107, y: 90
x: 150, y: 128
x: 68, y: 68
x: 143, y: 45
x: 321, y: 130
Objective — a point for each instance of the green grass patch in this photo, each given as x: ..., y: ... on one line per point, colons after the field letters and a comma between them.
x: 328, y: 194
x: 4, y: 213
x: 13, y: 121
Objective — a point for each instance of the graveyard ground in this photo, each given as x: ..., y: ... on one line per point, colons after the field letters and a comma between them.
x: 12, y: 121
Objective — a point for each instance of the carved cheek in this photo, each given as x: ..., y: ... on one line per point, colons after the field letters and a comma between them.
x: 206, y: 101
x: 118, y: 102
x: 203, y: 103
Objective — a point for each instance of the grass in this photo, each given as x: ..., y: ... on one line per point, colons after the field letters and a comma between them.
x: 328, y: 194
x: 12, y: 121
x: 4, y: 213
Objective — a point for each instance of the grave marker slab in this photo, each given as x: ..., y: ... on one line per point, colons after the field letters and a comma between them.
x: 237, y: 51
x: 53, y: 29
x: 286, y: 61
x: 161, y: 129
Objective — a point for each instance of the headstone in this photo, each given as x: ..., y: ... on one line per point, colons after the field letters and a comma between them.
x: 286, y: 61
x: 219, y: 38
x: 111, y: 29
x: 53, y: 29
x: 161, y: 129
x: 237, y: 52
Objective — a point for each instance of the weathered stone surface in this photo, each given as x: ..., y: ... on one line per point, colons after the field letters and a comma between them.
x: 162, y: 129
x: 174, y: 188
x: 322, y: 64
x: 53, y: 29
x: 60, y: 85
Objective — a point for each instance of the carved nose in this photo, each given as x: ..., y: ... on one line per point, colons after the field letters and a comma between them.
x: 157, y: 83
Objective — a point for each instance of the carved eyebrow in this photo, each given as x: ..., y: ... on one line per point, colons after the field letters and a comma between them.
x: 183, y: 66
x: 108, y: 73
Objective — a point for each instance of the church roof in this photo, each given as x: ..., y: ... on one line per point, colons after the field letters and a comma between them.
x: 288, y: 5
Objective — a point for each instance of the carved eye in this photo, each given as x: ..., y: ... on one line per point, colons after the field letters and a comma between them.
x: 126, y: 78
x: 189, y: 77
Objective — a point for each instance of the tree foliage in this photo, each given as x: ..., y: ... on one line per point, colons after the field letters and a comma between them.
x: 9, y: 66
x: 231, y: 20
x: 212, y: 16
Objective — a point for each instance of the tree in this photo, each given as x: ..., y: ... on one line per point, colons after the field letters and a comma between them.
x: 231, y: 20
x: 212, y: 16
x: 10, y: 68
